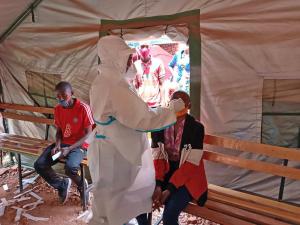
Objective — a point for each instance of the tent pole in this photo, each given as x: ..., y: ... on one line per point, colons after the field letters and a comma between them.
x: 285, y: 163
x: 282, y: 182
x: 19, y: 20
x: 49, y: 115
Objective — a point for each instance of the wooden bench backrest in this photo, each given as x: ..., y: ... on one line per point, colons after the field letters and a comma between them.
x: 227, y: 143
x: 262, y: 149
x: 27, y: 108
x: 247, y: 146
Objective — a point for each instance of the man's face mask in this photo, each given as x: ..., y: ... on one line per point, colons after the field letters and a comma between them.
x: 64, y: 98
x: 144, y: 52
x: 64, y: 103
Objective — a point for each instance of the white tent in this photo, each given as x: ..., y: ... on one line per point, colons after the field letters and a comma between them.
x: 244, y: 44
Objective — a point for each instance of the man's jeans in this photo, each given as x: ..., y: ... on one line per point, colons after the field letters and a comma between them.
x: 44, y: 163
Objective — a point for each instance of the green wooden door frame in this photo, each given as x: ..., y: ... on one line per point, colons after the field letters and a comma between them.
x: 192, y: 20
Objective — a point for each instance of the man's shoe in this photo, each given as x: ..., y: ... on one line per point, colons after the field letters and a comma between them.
x: 64, y: 192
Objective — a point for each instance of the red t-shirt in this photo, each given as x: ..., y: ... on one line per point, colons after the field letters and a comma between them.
x: 73, y: 121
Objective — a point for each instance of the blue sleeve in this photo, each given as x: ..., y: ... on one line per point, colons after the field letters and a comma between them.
x: 173, y: 61
x: 188, y: 69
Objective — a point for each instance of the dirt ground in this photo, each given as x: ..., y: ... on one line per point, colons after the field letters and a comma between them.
x: 57, y: 213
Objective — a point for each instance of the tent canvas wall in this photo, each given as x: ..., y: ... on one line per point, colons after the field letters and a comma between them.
x: 243, y: 43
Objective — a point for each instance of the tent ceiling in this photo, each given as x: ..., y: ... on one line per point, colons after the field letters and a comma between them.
x: 10, y: 10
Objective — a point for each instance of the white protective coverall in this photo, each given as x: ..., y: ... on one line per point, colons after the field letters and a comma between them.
x: 119, y: 157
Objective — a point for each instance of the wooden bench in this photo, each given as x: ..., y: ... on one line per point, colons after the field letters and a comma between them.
x: 28, y: 145
x: 226, y: 206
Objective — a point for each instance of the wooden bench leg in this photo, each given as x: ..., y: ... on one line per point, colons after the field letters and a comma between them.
x: 83, y: 187
x: 20, y: 173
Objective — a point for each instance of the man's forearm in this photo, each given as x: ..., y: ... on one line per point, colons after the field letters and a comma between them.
x: 58, y: 137
x: 81, y: 141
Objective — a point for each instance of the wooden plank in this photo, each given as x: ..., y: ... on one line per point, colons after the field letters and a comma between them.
x: 214, y: 216
x: 242, y: 214
x: 10, y: 148
x: 23, y: 138
x: 26, y: 142
x: 22, y: 144
x: 33, y: 119
x: 19, y: 147
x: 28, y: 108
x: 256, y: 208
x: 263, y: 167
x: 253, y: 198
x: 25, y: 145
x: 247, y: 146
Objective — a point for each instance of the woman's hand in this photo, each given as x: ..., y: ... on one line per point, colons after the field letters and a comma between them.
x: 164, y: 196
x: 156, y: 198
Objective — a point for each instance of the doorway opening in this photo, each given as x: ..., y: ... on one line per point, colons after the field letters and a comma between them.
x: 175, y: 41
x: 163, y: 67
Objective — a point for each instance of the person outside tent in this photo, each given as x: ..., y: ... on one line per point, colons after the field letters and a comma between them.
x: 179, y: 168
x: 120, y: 155
x: 180, y: 68
x: 73, y: 120
x: 149, y: 80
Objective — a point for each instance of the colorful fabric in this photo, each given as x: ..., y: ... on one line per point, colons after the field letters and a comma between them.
x: 172, y: 142
x: 73, y: 121
x: 173, y: 176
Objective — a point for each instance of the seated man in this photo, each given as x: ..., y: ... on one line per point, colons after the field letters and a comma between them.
x: 179, y: 168
x: 73, y: 121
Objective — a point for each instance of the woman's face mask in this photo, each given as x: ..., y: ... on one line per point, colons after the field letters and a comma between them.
x: 182, y: 112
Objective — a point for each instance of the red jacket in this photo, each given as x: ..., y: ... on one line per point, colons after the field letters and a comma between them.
x: 190, y: 173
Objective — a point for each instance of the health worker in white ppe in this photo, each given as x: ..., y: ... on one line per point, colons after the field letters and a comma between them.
x: 120, y: 159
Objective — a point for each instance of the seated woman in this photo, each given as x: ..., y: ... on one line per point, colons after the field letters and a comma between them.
x: 179, y: 168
